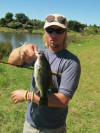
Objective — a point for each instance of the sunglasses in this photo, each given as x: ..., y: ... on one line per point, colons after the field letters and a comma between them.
x: 60, y: 19
x: 57, y: 31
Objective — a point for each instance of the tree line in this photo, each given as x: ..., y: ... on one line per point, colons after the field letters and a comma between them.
x: 21, y: 21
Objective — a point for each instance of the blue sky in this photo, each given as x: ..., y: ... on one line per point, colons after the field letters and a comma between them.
x: 83, y: 11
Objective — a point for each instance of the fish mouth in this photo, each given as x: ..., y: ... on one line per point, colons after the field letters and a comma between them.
x: 38, y: 53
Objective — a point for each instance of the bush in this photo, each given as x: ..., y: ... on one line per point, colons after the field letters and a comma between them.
x: 91, y: 30
x: 15, y: 25
x: 5, y: 49
x: 74, y: 37
x: 75, y: 26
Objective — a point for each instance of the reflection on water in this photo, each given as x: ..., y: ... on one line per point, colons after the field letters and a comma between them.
x: 18, y: 39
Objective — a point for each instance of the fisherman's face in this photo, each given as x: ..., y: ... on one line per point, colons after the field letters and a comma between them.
x: 55, y: 40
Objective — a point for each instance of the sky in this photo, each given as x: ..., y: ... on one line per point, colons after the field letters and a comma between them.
x: 83, y: 11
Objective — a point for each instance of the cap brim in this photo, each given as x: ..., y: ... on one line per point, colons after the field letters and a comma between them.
x: 54, y: 23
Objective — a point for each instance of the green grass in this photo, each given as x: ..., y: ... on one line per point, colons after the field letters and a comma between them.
x: 10, y: 30
x: 40, y: 31
x: 84, y: 108
x: 11, y: 114
x: 84, y: 116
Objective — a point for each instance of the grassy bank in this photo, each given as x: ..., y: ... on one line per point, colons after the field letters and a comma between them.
x: 10, y: 30
x: 84, y: 108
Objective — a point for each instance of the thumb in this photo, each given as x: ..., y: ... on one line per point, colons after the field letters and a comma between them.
x: 35, y: 48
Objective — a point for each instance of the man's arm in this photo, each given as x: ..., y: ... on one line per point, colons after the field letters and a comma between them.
x: 58, y: 100
x: 54, y: 100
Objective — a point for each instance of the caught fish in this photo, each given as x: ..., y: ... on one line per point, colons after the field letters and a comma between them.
x: 43, y: 76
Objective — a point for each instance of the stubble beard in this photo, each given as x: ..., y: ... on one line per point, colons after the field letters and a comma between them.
x: 53, y: 45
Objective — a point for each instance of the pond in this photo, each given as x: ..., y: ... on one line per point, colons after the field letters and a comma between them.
x: 18, y: 39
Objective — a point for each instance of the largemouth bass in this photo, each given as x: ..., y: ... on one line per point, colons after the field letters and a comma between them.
x: 43, y: 76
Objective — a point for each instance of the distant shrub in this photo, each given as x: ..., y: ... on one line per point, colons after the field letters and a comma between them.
x: 5, y: 49
x: 91, y: 30
x: 74, y: 38
x: 14, y: 25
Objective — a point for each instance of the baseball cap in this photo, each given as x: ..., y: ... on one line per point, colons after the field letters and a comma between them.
x: 55, y: 19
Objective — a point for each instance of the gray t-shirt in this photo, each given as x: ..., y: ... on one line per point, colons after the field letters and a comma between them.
x: 69, y: 66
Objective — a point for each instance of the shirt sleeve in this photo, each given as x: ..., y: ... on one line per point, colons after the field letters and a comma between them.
x: 70, y: 79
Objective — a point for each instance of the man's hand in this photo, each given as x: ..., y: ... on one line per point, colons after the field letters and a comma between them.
x: 25, y: 53
x: 28, y: 53
x: 18, y: 95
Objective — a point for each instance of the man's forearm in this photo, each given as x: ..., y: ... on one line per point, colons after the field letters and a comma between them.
x: 54, y: 100
x: 58, y: 100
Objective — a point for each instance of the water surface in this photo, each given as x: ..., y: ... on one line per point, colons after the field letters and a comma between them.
x: 18, y: 39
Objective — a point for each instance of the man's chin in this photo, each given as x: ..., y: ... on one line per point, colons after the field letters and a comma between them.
x: 54, y: 46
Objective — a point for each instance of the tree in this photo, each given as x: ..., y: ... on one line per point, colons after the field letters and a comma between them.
x: 2, y: 22
x: 37, y: 24
x: 30, y: 22
x: 9, y: 17
x: 95, y: 25
x: 20, y: 17
x: 75, y: 26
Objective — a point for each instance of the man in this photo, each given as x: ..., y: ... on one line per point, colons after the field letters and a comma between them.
x: 51, y: 118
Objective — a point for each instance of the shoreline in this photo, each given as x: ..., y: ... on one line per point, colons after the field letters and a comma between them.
x: 9, y: 30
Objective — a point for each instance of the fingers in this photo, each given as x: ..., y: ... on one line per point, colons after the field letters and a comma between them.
x: 35, y: 48
x: 18, y: 95
x: 13, y: 96
x: 28, y: 53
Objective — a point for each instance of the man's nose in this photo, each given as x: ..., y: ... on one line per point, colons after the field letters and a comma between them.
x: 53, y: 34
